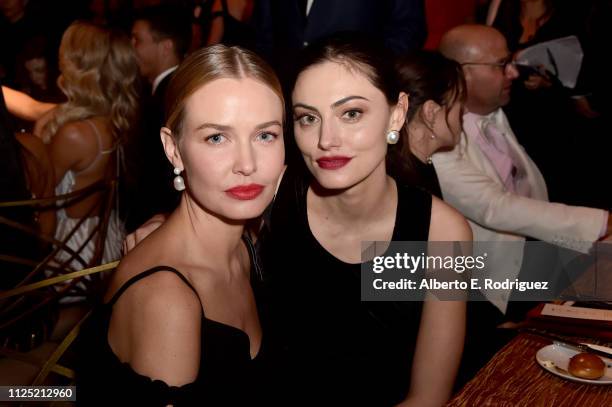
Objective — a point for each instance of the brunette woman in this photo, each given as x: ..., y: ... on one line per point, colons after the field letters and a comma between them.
x: 349, y: 116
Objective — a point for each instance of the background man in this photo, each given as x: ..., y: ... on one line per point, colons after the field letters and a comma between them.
x: 489, y: 177
x: 160, y: 37
x: 491, y: 180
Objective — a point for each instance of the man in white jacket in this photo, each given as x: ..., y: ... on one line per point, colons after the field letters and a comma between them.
x: 490, y: 178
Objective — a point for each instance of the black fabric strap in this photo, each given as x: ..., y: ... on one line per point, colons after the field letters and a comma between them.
x: 144, y: 274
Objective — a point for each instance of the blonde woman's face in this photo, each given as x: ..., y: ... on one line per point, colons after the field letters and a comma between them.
x: 232, y: 147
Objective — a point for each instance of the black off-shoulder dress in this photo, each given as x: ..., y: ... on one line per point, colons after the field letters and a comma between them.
x: 227, y: 376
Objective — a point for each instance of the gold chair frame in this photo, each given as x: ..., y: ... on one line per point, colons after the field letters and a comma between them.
x: 47, y: 266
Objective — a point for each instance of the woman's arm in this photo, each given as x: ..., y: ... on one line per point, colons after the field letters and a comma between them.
x: 438, y: 353
x: 23, y: 106
x: 442, y: 329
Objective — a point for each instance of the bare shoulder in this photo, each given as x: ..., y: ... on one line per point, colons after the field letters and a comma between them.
x: 164, y: 298
x: 72, y: 143
x: 156, y: 328
x: 447, y: 224
x: 72, y: 133
x: 162, y: 288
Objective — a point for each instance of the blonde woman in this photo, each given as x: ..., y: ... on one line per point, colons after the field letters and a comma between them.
x: 179, y: 325
x: 98, y: 76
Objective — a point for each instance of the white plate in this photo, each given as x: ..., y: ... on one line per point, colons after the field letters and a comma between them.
x: 557, y: 355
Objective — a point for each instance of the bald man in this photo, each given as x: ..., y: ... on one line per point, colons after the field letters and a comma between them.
x: 490, y: 179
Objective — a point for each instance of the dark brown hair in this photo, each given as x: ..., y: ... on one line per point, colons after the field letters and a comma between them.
x: 424, y: 76
x: 428, y: 75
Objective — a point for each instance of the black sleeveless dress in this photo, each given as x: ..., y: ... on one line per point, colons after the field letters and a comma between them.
x: 227, y: 377
x: 332, y: 347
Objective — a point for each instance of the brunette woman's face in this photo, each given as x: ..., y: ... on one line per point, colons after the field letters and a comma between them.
x: 231, y: 147
x: 340, y: 121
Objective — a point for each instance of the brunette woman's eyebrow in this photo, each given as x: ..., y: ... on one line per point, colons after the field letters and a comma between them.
x: 304, y: 106
x: 346, y: 99
x: 333, y: 105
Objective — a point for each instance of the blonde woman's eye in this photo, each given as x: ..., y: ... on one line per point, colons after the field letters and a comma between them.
x: 352, y: 114
x: 306, y: 119
x: 215, y: 138
x: 267, y: 137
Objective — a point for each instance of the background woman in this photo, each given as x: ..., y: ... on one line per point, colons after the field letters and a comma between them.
x: 436, y: 94
x: 180, y: 325
x: 98, y: 77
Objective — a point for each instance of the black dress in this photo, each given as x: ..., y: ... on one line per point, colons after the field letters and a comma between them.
x: 334, y: 348
x: 227, y: 376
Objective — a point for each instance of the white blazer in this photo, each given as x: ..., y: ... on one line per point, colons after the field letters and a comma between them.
x: 470, y: 183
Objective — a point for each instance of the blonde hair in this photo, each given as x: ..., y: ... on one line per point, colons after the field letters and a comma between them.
x: 208, y: 64
x: 99, y: 74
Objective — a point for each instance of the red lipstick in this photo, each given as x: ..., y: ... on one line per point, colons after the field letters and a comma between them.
x: 333, y: 163
x: 245, y: 192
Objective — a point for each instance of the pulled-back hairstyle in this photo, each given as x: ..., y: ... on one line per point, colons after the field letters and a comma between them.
x: 206, y: 65
x: 357, y: 53
x: 428, y: 75
x: 99, y: 75
x: 424, y: 76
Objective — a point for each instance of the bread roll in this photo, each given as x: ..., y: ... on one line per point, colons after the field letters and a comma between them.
x: 587, y: 366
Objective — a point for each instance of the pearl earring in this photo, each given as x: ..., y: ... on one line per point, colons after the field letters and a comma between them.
x: 393, y: 137
x: 179, y: 182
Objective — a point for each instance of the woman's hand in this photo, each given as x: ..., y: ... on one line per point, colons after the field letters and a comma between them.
x: 142, y: 232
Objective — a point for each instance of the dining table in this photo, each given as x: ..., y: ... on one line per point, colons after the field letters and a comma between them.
x: 513, y: 378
